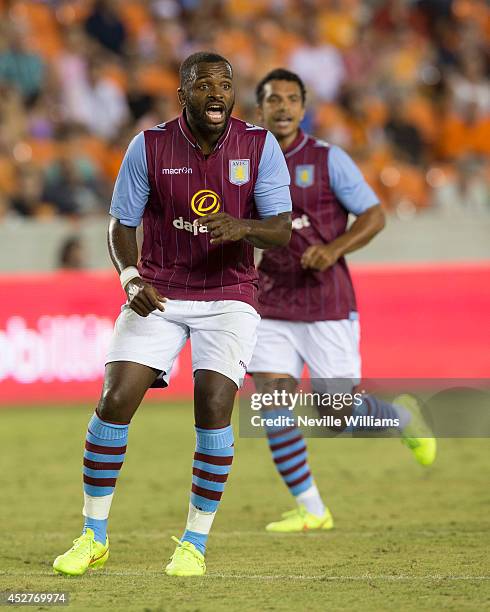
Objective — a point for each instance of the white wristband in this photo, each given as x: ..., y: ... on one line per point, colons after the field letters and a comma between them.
x: 128, y: 274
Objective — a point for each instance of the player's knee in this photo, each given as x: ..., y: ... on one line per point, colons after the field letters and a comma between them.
x: 113, y: 406
x: 214, y: 409
x: 215, y: 403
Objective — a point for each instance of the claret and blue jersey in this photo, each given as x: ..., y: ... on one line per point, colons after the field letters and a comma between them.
x: 326, y: 186
x: 168, y: 183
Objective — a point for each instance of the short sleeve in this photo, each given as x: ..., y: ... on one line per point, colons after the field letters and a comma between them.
x: 348, y: 183
x: 132, y: 186
x: 271, y: 191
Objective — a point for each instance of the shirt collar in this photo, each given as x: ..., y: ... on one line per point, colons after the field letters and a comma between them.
x: 297, y: 143
x: 186, y: 131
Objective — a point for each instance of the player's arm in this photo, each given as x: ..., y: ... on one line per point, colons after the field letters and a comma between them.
x: 357, y: 197
x: 128, y: 203
x: 273, y: 202
x: 270, y: 232
x: 262, y: 233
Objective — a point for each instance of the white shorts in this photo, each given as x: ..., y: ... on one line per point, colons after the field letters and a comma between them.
x: 222, y: 333
x: 330, y: 349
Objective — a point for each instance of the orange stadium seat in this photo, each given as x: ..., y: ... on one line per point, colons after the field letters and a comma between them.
x: 41, y: 25
x: 156, y: 80
x: 457, y: 138
x: 135, y: 16
x: 94, y: 148
x: 112, y: 162
x: 474, y: 10
x: 338, y: 27
x: 117, y: 75
x: 480, y: 137
x: 400, y: 182
x: 250, y: 27
x: 242, y: 9
x: 328, y: 115
x: 73, y: 11
x: 235, y: 40
x: 7, y: 176
x: 420, y: 112
x: 43, y: 151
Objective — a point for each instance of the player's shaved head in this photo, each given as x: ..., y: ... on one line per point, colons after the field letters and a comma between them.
x: 206, y: 93
x: 188, y: 67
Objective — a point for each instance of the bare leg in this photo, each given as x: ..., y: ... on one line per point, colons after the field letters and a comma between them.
x: 214, y: 396
x: 125, y: 384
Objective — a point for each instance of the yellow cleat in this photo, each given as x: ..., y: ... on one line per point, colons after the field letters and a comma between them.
x: 86, y: 553
x: 301, y: 520
x: 417, y: 435
x: 186, y: 560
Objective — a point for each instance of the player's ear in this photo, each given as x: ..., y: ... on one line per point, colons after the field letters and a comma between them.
x: 304, y: 108
x: 181, y: 96
x: 303, y: 113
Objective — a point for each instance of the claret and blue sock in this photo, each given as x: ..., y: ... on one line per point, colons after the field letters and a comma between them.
x: 105, y: 449
x: 212, y: 463
x: 290, y: 456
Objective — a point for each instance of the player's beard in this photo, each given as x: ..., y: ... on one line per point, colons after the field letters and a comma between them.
x: 199, y: 118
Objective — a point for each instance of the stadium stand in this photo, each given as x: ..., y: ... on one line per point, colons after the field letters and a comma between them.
x: 403, y: 86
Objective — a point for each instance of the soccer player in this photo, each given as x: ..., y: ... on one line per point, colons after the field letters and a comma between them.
x: 208, y: 188
x: 306, y: 297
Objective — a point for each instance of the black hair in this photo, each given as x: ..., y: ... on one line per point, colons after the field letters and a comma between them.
x: 279, y: 74
x: 206, y: 57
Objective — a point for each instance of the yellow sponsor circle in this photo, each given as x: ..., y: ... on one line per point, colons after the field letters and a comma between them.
x: 205, y: 202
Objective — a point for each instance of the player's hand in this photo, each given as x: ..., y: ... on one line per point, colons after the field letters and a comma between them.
x: 223, y: 227
x: 320, y: 257
x: 143, y: 298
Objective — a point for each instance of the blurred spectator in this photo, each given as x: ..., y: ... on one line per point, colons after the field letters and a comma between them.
x: 465, y: 192
x: 159, y: 110
x: 138, y: 100
x: 100, y: 105
x: 106, y: 27
x: 71, y: 70
x: 72, y: 182
x: 403, y: 135
x: 27, y: 201
x: 320, y: 65
x: 463, y: 133
x: 19, y: 66
x: 41, y: 118
x: 72, y: 254
x: 403, y: 85
x: 13, y: 118
x: 4, y: 207
x: 69, y: 190
x: 470, y: 85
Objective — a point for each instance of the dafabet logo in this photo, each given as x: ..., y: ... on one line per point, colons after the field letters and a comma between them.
x: 205, y: 202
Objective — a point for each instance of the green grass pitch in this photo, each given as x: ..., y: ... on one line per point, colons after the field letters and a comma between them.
x: 405, y: 538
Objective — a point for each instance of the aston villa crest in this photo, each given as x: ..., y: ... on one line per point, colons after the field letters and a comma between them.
x: 305, y: 175
x: 239, y: 171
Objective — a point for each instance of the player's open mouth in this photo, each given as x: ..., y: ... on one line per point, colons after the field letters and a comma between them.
x: 215, y: 112
x: 283, y: 122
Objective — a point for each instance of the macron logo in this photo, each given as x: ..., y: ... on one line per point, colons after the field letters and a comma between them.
x: 182, y: 170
